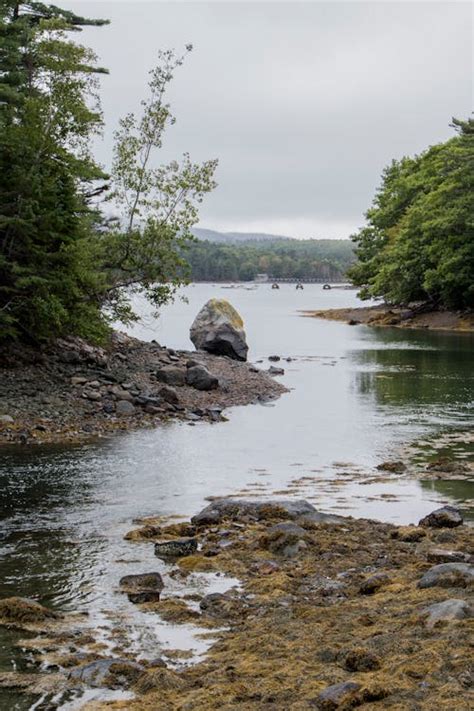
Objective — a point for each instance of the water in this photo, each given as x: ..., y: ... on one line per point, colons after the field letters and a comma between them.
x: 357, y: 394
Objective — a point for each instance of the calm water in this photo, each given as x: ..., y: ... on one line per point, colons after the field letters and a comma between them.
x: 356, y: 395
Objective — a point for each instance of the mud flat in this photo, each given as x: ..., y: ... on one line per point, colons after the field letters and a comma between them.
x: 331, y: 613
x: 383, y: 315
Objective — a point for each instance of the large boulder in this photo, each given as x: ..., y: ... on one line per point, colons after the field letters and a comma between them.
x: 219, y: 329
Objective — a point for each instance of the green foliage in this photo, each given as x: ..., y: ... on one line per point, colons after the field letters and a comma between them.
x: 327, y: 260
x: 65, y: 268
x: 419, y: 240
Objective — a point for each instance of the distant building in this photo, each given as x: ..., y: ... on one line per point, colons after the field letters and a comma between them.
x: 261, y: 278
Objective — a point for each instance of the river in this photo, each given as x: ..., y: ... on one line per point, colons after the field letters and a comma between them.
x: 357, y: 394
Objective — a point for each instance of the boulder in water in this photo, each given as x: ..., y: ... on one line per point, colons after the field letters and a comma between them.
x: 219, y: 329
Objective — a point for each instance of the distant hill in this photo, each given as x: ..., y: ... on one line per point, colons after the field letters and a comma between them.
x: 236, y: 237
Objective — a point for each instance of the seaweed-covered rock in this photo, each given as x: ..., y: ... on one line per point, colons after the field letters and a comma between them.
x: 241, y: 510
x: 110, y: 673
x: 361, y: 660
x: 176, y: 548
x: 445, y: 517
x: 22, y: 610
x: 143, y: 587
x: 448, y: 575
x: 337, y: 696
x: 447, y: 610
x: 219, y: 329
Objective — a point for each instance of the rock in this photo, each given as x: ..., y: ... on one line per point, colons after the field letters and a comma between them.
x: 23, y: 610
x: 92, y: 395
x: 310, y: 519
x: 200, y: 378
x: 6, y: 420
x: 120, y: 394
x: 144, y: 587
x: 274, y: 358
x: 241, y: 510
x: 395, y: 467
x: 220, y: 605
x: 176, y: 548
x: 266, y: 567
x: 78, y: 380
x: 447, y: 610
x: 276, y: 371
x: 442, y: 555
x: 124, y: 408
x: 361, y: 660
x: 169, y: 395
x: 448, y: 575
x: 111, y: 673
x: 171, y: 375
x: 445, y: 517
x: 219, y: 329
x: 324, y: 586
x: 337, y: 696
x: 374, y: 583
x: 287, y: 527
x: 408, y: 534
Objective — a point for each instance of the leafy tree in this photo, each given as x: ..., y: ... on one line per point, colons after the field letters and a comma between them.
x: 419, y: 240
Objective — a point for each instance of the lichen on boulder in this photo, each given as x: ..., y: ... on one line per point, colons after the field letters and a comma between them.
x: 219, y: 329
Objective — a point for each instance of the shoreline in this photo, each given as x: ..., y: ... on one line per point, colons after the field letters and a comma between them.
x: 330, y: 613
x: 398, y: 317
x: 73, y: 392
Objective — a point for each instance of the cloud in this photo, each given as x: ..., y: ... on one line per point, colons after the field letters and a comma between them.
x: 303, y: 103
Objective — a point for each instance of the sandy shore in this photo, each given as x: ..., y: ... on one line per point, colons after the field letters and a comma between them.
x: 399, y: 317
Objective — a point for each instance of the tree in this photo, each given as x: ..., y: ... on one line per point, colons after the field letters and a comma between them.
x: 48, y: 112
x: 419, y: 240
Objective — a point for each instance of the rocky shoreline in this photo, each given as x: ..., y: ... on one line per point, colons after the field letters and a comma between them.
x: 71, y: 391
x: 331, y: 613
x: 397, y: 317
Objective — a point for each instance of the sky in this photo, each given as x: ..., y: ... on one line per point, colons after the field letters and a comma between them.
x: 303, y: 103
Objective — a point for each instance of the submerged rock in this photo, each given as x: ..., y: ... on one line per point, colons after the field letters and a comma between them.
x: 241, y: 510
x: 110, y: 673
x: 200, y: 378
x: 448, y: 575
x: 143, y: 587
x: 219, y: 329
x: 177, y: 548
x: 445, y: 517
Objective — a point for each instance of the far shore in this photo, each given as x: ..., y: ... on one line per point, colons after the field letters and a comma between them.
x: 398, y: 317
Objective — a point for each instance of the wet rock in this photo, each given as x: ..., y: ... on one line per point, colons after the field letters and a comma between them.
x: 110, y: 673
x: 443, y: 555
x: 124, y: 408
x: 169, y: 394
x: 143, y: 587
x: 394, y: 467
x: 448, y: 575
x: 337, y: 696
x: 176, y: 548
x: 219, y: 329
x: 361, y: 660
x: 23, y: 610
x: 445, y: 517
x: 200, y: 378
x: 374, y: 583
x: 273, y: 370
x: 447, y: 610
x: 171, y: 375
x: 242, y: 510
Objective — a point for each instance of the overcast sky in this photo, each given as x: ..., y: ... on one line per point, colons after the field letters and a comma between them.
x: 302, y: 103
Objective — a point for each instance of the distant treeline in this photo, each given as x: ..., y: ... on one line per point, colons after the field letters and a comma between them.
x: 285, y: 258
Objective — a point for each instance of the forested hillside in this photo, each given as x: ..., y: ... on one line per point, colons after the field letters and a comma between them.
x: 280, y: 259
